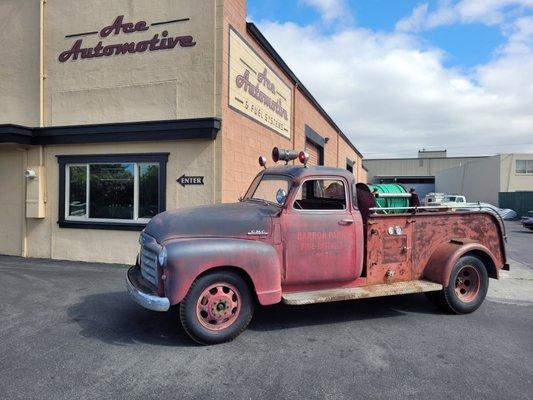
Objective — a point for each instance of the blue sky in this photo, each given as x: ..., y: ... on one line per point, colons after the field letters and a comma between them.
x: 466, y: 45
x: 452, y: 67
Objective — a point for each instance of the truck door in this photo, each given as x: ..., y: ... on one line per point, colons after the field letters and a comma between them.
x: 319, y: 234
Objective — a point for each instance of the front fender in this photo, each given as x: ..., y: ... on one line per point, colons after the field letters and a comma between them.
x: 441, y: 262
x: 189, y: 258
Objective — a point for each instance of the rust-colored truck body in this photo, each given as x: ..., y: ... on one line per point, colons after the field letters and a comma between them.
x: 301, y: 256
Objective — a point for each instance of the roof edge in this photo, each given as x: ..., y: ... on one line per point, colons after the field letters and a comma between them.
x: 423, y: 158
x: 179, y: 129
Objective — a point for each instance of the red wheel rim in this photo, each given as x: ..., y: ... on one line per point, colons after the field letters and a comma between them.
x: 467, y: 284
x: 218, y: 306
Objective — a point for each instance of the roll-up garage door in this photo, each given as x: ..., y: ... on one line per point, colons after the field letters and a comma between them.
x: 314, y: 153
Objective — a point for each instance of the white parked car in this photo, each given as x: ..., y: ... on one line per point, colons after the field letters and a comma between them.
x: 433, y: 199
x: 453, y: 201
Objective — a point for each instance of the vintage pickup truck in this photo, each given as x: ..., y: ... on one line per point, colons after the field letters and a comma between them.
x: 299, y: 237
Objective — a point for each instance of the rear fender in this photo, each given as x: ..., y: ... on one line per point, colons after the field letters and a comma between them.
x: 189, y: 258
x: 441, y: 262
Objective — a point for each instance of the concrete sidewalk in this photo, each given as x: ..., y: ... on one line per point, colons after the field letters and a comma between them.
x: 514, y: 286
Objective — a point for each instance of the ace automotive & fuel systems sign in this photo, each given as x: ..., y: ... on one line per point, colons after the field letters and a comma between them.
x: 255, y: 90
x: 159, y: 41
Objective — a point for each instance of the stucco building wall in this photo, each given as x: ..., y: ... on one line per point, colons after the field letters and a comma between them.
x: 47, y: 240
x: 510, y: 180
x: 155, y: 85
x: 19, y: 62
x: 11, y: 200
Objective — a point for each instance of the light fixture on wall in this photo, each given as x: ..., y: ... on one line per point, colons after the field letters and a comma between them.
x: 30, y: 174
x: 326, y: 139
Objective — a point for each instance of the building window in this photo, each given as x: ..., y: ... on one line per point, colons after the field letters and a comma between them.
x: 349, y: 165
x: 524, y: 166
x: 115, y: 191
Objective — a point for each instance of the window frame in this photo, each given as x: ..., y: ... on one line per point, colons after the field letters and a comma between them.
x: 347, y: 205
x: 350, y: 165
x: 68, y: 161
x: 526, y: 162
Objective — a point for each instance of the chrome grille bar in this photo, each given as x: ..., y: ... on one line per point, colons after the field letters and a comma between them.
x: 149, y: 252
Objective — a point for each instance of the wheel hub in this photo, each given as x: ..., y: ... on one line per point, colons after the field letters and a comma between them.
x: 218, y: 306
x: 467, y: 284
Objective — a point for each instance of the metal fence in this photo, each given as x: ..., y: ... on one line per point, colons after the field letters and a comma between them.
x: 521, y: 202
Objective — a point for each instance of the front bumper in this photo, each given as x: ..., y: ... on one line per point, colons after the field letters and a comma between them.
x: 148, y: 300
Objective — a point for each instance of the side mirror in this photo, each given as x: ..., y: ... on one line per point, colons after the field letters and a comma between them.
x: 281, y: 195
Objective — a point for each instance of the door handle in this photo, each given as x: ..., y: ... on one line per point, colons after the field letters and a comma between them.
x: 346, y: 221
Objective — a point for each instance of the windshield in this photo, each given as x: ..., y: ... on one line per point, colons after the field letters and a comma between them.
x: 271, y: 188
x: 455, y: 199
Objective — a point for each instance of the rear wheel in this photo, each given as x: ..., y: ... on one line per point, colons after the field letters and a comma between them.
x: 217, y: 308
x: 467, y: 287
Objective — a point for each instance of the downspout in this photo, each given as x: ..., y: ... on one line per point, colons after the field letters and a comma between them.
x: 24, y: 224
x: 338, y: 140
x: 24, y: 227
x: 512, y: 163
x: 41, y: 64
x: 293, y: 117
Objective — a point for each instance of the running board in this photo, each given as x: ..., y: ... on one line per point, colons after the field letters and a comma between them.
x: 361, y: 292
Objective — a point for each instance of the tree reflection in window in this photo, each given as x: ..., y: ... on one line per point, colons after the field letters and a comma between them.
x: 111, y: 191
x: 77, y: 204
x: 148, y: 190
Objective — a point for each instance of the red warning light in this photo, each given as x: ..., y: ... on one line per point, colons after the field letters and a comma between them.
x: 303, y: 157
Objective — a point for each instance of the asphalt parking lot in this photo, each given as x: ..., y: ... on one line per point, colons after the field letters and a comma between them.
x: 69, y: 330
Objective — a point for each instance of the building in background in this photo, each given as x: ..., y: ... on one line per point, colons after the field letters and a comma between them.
x: 417, y: 172
x: 116, y: 111
x: 479, y: 178
x: 484, y: 179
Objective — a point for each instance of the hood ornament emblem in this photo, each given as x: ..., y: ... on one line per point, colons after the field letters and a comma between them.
x: 257, y: 232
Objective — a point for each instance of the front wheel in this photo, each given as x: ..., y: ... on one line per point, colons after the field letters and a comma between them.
x: 467, y: 287
x: 217, y: 308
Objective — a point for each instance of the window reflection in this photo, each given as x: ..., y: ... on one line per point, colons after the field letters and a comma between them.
x: 111, y: 191
x: 77, y: 204
x: 148, y: 190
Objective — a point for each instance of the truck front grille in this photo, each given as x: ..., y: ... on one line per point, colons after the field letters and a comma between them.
x: 148, y: 259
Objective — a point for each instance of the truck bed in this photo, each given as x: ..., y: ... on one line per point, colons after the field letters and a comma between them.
x: 401, y: 244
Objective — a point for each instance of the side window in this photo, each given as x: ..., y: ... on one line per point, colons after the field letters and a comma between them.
x: 321, y: 194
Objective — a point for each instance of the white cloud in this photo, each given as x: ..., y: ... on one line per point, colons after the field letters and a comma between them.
x: 392, y: 95
x: 331, y: 10
x: 488, y: 12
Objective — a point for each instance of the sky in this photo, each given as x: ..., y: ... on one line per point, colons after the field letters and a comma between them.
x: 398, y: 76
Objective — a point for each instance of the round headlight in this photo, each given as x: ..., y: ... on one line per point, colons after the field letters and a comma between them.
x: 162, y: 258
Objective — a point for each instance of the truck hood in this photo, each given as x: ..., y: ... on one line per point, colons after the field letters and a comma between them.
x: 221, y: 220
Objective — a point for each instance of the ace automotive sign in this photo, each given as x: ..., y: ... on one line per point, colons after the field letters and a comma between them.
x: 159, y: 40
x: 255, y: 90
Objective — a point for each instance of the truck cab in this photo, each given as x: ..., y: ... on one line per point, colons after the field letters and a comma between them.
x: 299, y: 237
